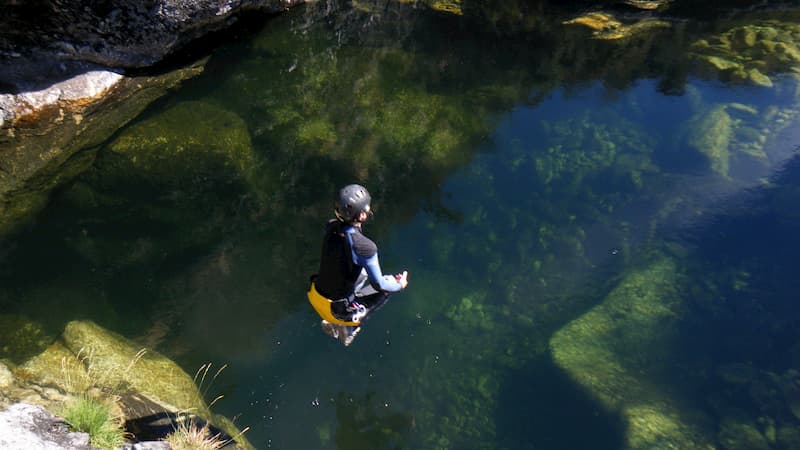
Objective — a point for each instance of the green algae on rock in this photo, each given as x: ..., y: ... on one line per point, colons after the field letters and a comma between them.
x: 47, y: 151
x: 147, y: 184
x: 586, y: 147
x: 57, y: 366
x: 21, y: 338
x: 607, y: 351
x: 711, y: 135
x: 735, y: 138
x: 605, y: 26
x: 185, y: 147
x: 752, y: 53
x: 92, y: 360
x: 116, y: 362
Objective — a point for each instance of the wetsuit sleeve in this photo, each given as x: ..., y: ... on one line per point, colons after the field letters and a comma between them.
x: 376, y: 278
x: 365, y: 253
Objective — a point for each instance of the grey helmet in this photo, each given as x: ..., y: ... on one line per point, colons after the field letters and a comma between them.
x: 353, y: 199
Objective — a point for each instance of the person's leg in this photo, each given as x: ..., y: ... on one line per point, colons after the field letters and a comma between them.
x: 373, y: 302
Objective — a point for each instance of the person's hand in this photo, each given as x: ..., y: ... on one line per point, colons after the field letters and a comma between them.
x: 402, y: 278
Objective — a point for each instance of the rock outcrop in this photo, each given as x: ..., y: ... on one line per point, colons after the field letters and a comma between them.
x: 64, y: 88
x: 33, y: 427
x: 47, y: 136
x: 116, y: 33
x: 88, y: 360
x: 606, y: 351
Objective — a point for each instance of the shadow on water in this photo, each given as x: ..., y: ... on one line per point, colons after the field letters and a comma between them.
x: 539, y: 407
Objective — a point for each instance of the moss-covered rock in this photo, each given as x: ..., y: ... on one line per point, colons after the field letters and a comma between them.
x: 735, y: 435
x: 586, y: 147
x: 6, y: 377
x: 115, y: 363
x: 164, y: 186
x: 736, y: 139
x: 187, y: 146
x: 44, y: 152
x: 21, y: 338
x: 607, y: 27
x: 57, y: 366
x: 610, y: 352
x: 711, y: 137
x: 753, y: 53
x: 90, y: 360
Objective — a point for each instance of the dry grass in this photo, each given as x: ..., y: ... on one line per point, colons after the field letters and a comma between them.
x: 191, y: 436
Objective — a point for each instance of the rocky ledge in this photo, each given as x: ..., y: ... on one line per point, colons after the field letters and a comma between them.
x: 66, y: 83
x: 117, y: 33
x: 146, y: 390
x: 29, y: 426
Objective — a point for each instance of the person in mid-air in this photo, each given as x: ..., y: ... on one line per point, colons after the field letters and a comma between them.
x: 350, y: 285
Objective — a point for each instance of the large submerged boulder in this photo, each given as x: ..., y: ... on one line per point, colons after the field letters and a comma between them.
x: 48, y: 135
x: 166, y: 184
x: 64, y: 88
x: 188, y: 146
x: 619, y: 350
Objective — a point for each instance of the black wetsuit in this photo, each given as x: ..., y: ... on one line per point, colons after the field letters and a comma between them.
x: 348, y: 260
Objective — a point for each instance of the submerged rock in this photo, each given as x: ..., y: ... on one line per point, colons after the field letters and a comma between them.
x: 751, y: 54
x: 49, y: 134
x: 609, y: 351
x: 21, y: 338
x: 165, y: 185
x: 606, y: 26
x: 188, y: 146
x: 735, y: 435
x: 711, y: 135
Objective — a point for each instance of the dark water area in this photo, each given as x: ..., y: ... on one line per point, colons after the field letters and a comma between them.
x: 600, y: 234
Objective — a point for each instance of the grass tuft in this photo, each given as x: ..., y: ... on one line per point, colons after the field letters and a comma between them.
x: 91, y: 416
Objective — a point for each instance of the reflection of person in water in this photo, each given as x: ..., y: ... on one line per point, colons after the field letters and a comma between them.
x: 350, y: 285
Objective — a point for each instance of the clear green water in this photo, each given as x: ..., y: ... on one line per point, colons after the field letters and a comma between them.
x: 524, y: 179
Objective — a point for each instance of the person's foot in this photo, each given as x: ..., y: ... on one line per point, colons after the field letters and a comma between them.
x: 329, y: 329
x: 352, y: 335
x: 359, y: 313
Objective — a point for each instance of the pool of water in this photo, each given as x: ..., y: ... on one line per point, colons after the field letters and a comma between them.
x: 590, y: 227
